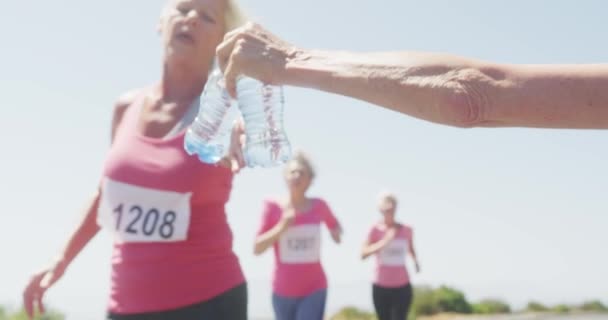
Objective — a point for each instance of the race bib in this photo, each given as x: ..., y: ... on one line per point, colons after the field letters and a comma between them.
x: 394, y: 253
x: 300, y: 244
x: 137, y: 214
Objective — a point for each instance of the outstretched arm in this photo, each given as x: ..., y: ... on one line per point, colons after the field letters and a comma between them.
x: 440, y: 88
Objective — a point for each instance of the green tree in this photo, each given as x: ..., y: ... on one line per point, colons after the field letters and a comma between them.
x: 561, y: 308
x: 49, y: 315
x: 352, y: 313
x: 491, y: 306
x: 593, y: 306
x: 534, y: 306
x: 424, y: 301
x: 451, y: 300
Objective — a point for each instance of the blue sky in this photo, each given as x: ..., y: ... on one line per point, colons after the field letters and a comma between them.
x: 509, y: 213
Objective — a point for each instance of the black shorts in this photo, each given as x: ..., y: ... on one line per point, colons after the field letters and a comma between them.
x: 230, y: 305
x: 392, y: 303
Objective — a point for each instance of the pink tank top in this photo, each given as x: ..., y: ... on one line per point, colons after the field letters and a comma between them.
x: 390, y: 261
x: 298, y: 271
x: 173, y: 245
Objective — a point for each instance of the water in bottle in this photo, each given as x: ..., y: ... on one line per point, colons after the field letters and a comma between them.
x: 207, y: 137
x: 261, y: 106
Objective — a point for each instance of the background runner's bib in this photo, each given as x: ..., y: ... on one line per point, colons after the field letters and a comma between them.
x: 298, y: 271
x: 394, y: 253
x: 137, y: 214
x: 300, y: 244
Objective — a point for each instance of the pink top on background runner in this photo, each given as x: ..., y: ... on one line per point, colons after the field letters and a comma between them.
x: 156, y: 276
x: 298, y: 271
x: 390, y: 262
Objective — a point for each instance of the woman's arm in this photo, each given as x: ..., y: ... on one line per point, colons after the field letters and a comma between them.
x: 86, y: 229
x: 461, y: 92
x: 268, y: 238
x: 440, y: 88
x: 371, y: 248
x: 78, y: 239
x: 413, y: 254
x: 330, y: 220
x: 336, y: 233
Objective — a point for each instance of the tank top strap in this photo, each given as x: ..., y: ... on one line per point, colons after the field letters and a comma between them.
x: 130, y: 119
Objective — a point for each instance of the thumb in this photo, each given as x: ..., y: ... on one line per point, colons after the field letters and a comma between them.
x: 230, y: 77
x: 238, y: 144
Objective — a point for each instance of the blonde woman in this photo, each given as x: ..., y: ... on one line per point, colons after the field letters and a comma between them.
x: 292, y: 227
x: 390, y: 241
x: 173, y: 255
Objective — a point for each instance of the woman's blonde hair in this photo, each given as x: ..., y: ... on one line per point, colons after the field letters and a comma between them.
x: 387, y: 196
x: 234, y: 16
x: 303, y: 159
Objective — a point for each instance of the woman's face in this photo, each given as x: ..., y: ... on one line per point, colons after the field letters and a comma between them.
x: 387, y: 207
x: 192, y: 29
x: 297, y: 176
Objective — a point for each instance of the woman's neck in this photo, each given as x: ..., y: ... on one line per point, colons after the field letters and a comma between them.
x: 390, y: 224
x: 298, y: 200
x: 180, y: 84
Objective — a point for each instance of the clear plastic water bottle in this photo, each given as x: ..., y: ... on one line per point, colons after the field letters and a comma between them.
x: 261, y: 106
x: 207, y: 137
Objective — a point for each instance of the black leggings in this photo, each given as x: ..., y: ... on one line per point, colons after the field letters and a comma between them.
x: 392, y: 303
x: 230, y: 305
